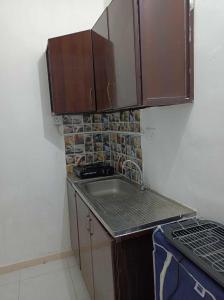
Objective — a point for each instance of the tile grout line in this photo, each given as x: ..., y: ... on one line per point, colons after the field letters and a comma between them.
x: 73, y: 283
x: 19, y: 285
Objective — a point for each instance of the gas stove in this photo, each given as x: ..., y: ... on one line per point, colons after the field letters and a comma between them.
x: 93, y: 170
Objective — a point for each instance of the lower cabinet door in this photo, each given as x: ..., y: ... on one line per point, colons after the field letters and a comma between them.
x: 85, y: 245
x: 73, y: 219
x: 102, y: 262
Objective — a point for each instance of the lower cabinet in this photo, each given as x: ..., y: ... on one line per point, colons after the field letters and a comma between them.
x: 85, y: 245
x: 102, y: 261
x: 73, y: 221
x: 96, y: 255
x: 112, y: 268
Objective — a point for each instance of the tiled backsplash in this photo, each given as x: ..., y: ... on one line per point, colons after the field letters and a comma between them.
x: 109, y: 137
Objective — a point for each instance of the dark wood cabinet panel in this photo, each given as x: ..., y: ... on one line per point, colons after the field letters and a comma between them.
x: 103, y: 54
x: 102, y: 262
x: 84, y: 223
x: 73, y: 218
x: 121, y: 23
x: 70, y: 67
x: 166, y: 52
x: 104, y: 72
x: 134, y: 268
x: 139, y: 53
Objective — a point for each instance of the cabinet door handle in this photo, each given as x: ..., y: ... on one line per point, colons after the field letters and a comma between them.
x: 88, y: 224
x: 108, y: 94
x: 91, y: 227
x: 91, y: 97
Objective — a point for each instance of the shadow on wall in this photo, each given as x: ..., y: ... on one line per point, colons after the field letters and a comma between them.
x: 51, y: 131
x: 107, y: 2
x: 164, y: 129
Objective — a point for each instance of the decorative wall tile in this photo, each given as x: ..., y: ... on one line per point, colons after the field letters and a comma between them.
x: 97, y: 127
x: 87, y: 118
x: 79, y: 149
x: 77, y: 119
x: 69, y: 144
x: 67, y: 119
x: 79, y: 139
x: 97, y: 118
x: 87, y: 127
x: 68, y: 129
x: 89, y: 158
x: 77, y: 128
x: 111, y: 138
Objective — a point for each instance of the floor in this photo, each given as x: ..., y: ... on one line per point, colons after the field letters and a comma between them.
x: 57, y: 280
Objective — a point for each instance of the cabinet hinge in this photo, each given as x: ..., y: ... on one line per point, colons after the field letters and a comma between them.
x: 190, y: 34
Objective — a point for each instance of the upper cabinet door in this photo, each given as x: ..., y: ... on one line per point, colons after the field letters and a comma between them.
x: 103, y: 64
x: 71, y: 78
x: 122, y: 28
x: 166, y: 51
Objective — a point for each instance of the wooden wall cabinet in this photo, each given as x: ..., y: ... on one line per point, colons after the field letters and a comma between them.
x: 152, y: 52
x: 103, y: 54
x: 166, y: 39
x: 122, y: 29
x: 104, y: 73
x: 116, y: 60
x: 138, y: 54
x: 71, y: 74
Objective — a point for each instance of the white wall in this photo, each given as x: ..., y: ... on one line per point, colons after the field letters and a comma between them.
x: 184, y: 153
x: 107, y: 2
x: 33, y: 201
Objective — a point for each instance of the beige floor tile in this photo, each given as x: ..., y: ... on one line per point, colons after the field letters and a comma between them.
x: 9, y: 278
x: 9, y: 291
x: 56, y: 285
x: 71, y: 261
x: 44, y: 269
x: 79, y: 285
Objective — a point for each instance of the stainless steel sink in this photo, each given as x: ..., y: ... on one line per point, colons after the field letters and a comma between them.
x: 109, y: 189
x: 123, y: 208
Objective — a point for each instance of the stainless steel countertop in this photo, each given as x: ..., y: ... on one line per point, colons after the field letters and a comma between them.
x: 145, y: 210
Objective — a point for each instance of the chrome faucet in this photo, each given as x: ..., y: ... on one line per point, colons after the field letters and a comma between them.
x: 139, y: 170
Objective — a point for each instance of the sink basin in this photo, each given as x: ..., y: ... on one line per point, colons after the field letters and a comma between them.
x: 123, y: 208
x: 109, y: 189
